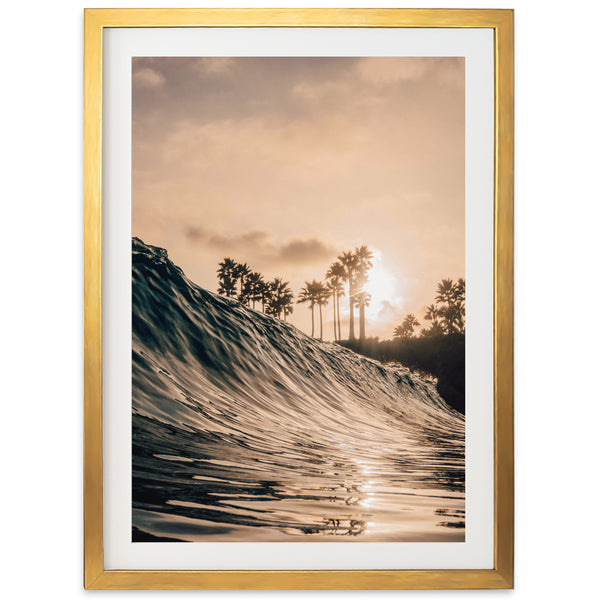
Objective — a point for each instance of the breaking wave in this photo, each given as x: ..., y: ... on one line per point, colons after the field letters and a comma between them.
x: 246, y: 429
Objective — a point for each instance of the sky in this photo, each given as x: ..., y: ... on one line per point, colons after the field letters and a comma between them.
x: 284, y: 163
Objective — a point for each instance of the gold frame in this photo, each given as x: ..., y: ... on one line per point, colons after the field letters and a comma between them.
x: 501, y: 576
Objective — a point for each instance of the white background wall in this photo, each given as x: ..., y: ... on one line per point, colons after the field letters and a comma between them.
x: 557, y: 298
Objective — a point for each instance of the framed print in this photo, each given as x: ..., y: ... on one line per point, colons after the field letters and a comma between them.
x: 298, y: 299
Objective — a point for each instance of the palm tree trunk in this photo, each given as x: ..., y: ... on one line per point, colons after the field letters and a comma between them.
x: 334, y: 319
x: 312, y: 321
x: 321, y: 321
x: 351, y: 331
x: 339, y: 320
x: 362, y: 322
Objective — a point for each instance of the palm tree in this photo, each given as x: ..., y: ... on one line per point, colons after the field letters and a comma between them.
x: 281, y: 296
x: 334, y: 293
x: 459, y: 301
x: 433, y: 331
x: 308, y: 296
x: 450, y: 299
x: 264, y: 291
x: 285, y: 298
x: 349, y: 262
x: 288, y: 309
x: 445, y: 292
x: 444, y: 300
x: 363, y: 299
x: 241, y: 270
x: 227, y: 278
x: 253, y: 288
x: 364, y: 260
x: 322, y: 293
x: 432, y: 314
x: 407, y: 328
x: 335, y: 282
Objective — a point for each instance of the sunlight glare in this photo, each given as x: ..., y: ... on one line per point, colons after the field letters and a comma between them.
x: 382, y: 285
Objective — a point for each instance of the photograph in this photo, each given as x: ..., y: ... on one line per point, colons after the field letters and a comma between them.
x: 298, y: 299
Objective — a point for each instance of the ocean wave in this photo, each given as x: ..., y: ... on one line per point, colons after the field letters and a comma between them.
x: 246, y: 429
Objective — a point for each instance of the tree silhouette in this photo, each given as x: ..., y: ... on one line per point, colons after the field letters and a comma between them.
x: 253, y: 288
x: 265, y: 294
x: 288, y: 309
x: 407, y: 328
x: 323, y: 294
x: 240, y: 271
x: 447, y: 314
x: 363, y: 299
x: 286, y: 299
x: 276, y: 297
x: 315, y: 293
x: 450, y: 305
x: 432, y: 314
x: 308, y: 296
x: 227, y: 278
x: 433, y: 331
x: 349, y: 262
x: 280, y: 296
x: 364, y: 261
x: 459, y: 301
x: 335, y: 282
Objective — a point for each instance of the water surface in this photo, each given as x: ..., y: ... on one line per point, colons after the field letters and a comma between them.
x: 246, y: 429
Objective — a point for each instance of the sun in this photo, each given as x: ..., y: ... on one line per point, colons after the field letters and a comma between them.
x: 382, y: 285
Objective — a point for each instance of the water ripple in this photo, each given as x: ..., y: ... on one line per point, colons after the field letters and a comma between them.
x: 246, y: 429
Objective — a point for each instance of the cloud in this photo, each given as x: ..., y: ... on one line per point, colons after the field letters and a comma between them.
x: 285, y: 162
x: 389, y: 71
x: 379, y: 70
x: 388, y: 311
x: 148, y: 78
x: 251, y: 240
x: 322, y: 92
x: 305, y: 251
x: 216, y: 64
x: 258, y: 244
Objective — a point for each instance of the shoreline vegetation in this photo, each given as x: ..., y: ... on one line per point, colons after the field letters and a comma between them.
x: 349, y: 273
x: 436, y: 351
